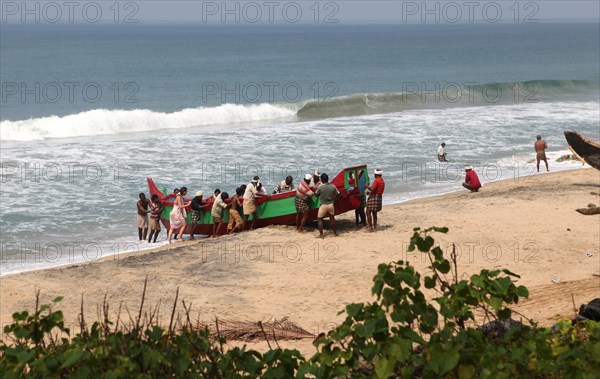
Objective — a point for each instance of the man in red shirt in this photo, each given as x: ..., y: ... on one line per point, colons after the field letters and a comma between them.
x: 374, y: 203
x: 471, y: 180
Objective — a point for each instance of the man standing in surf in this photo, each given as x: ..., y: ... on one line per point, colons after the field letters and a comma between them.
x: 375, y: 201
x: 540, y: 147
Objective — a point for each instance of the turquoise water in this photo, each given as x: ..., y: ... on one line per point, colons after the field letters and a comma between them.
x: 88, y: 112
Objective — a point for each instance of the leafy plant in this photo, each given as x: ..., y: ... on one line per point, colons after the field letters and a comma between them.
x: 399, y: 334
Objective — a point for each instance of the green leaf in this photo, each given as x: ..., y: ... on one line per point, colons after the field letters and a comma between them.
x: 353, y: 309
x: 466, y: 372
x: 440, y: 230
x: 442, y: 360
x: 523, y: 292
x: 504, y: 314
x: 430, y: 281
x: 384, y: 367
x: 72, y: 358
x: 57, y: 299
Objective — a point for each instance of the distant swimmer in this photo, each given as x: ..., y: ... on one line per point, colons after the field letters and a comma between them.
x: 442, y: 152
x: 540, y: 147
x: 471, y: 180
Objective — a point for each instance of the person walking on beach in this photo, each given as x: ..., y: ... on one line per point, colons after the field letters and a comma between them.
x: 471, y: 180
x: 253, y: 191
x: 142, y: 216
x: 442, y: 152
x: 303, y: 192
x: 327, y: 194
x: 196, y: 208
x: 375, y: 201
x: 156, y: 208
x: 285, y: 185
x: 177, y: 215
x: 540, y: 147
x: 235, y: 220
x: 217, y: 212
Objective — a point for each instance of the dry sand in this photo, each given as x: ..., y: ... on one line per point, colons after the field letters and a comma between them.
x: 528, y: 226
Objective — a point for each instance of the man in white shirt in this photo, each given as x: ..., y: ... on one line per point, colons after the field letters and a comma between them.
x: 253, y: 190
x: 442, y: 152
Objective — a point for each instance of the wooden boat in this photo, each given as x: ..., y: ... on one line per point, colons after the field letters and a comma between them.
x: 279, y: 209
x: 586, y: 149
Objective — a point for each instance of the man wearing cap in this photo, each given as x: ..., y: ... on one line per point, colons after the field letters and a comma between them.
x: 301, y: 201
x: 375, y: 200
x: 471, y: 180
x: 253, y: 191
x: 327, y: 194
x: 540, y: 147
x: 197, y: 205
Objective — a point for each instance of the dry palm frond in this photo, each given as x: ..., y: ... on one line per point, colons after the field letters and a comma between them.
x: 249, y: 331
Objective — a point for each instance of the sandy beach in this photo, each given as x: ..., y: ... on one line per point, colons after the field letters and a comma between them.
x: 528, y: 226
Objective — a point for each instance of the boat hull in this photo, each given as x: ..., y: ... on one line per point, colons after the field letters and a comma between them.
x: 586, y: 149
x: 279, y: 210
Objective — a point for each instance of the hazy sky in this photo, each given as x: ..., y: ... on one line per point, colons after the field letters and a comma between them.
x: 298, y: 11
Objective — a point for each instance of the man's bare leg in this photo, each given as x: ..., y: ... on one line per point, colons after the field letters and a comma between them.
x: 370, y: 220
x: 156, y: 235
x: 320, y: 226
x: 374, y: 219
x: 333, y: 225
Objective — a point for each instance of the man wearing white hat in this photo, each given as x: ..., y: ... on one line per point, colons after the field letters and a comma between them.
x: 253, y: 191
x: 471, y: 180
x: 375, y: 200
x: 303, y: 192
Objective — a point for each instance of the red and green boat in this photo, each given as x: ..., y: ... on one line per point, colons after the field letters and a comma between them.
x: 280, y: 208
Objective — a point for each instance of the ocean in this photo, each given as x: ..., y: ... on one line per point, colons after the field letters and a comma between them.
x: 88, y: 112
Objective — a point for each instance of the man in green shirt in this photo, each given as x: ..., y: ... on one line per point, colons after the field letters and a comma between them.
x: 327, y: 194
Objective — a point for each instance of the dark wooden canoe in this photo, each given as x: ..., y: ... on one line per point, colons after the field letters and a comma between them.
x: 586, y: 149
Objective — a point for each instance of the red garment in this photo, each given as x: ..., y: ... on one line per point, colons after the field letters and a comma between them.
x: 378, y: 186
x: 472, y: 179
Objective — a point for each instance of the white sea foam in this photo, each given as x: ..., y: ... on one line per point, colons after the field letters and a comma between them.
x: 104, y: 121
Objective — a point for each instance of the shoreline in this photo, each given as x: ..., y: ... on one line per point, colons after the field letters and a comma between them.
x: 529, y: 227
x: 165, y: 246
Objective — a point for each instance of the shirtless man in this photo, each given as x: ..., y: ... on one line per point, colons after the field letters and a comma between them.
x: 540, y: 147
x: 235, y: 220
x: 142, y: 216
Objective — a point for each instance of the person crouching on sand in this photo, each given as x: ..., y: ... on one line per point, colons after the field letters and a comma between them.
x: 375, y: 201
x: 471, y: 180
x: 217, y: 212
x: 327, y: 194
x: 177, y: 215
x: 156, y: 208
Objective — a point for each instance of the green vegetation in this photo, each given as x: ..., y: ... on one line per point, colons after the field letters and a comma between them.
x: 400, y: 334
